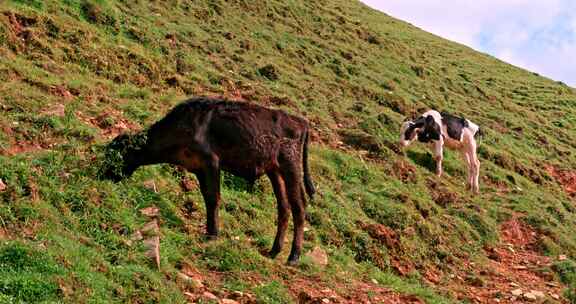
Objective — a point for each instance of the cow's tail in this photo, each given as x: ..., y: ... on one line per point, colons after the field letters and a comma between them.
x: 479, y: 135
x: 308, y: 185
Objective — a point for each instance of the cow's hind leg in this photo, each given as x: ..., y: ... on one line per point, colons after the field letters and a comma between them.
x: 466, y: 158
x: 283, y: 206
x: 292, y: 175
x: 476, y: 172
x: 209, y: 179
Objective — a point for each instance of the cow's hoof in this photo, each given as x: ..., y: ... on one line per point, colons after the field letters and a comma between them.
x: 292, y: 263
x: 273, y: 253
x: 293, y: 259
x: 211, y: 237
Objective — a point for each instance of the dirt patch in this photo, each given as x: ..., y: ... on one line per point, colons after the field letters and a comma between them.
x: 515, y: 232
x: 514, y: 271
x: 440, y: 194
x: 197, y: 286
x: 18, y: 147
x: 404, y: 171
x: 360, y: 140
x: 311, y: 292
x: 566, y: 178
x: 384, y: 235
x: 111, y: 123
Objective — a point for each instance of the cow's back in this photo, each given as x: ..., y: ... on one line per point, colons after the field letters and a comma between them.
x: 246, y: 138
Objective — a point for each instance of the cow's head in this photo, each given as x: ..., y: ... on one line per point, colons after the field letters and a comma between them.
x: 410, y: 129
x: 430, y: 131
x: 121, y: 157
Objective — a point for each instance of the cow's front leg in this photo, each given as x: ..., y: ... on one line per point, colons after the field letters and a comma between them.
x: 438, y: 156
x: 209, y: 179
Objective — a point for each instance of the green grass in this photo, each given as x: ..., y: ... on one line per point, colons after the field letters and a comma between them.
x: 353, y: 72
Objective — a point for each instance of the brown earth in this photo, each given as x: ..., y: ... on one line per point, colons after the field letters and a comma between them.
x: 514, y: 267
x: 566, y: 178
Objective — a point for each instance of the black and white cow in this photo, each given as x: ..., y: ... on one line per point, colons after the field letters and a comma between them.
x: 443, y: 129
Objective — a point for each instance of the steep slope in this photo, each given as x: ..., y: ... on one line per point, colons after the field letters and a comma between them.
x: 75, y: 73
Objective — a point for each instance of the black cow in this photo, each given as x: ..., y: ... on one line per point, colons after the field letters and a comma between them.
x: 206, y: 135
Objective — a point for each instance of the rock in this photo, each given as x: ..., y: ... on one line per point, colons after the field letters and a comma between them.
x: 190, y: 296
x: 228, y: 301
x: 209, y: 296
x: 538, y: 294
x: 152, y: 246
x: 150, y: 228
x: 562, y: 257
x: 318, y: 256
x: 57, y: 110
x: 520, y: 267
x: 2, y: 185
x: 555, y: 296
x: 517, y: 292
x: 152, y: 211
x: 530, y: 296
x: 151, y: 233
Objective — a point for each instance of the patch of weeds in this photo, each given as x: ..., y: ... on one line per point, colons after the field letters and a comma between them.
x: 269, y: 72
x: 27, y: 275
x: 228, y: 256
x: 37, y: 4
x: 394, y: 215
x: 272, y: 292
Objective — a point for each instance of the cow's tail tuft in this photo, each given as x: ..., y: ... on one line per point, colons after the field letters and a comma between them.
x: 307, y: 180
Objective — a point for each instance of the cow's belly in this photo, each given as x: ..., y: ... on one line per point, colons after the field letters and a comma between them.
x: 247, y: 163
x: 452, y: 143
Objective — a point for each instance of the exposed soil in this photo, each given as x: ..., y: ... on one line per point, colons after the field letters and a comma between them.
x: 514, y: 269
x: 305, y: 290
x: 566, y: 178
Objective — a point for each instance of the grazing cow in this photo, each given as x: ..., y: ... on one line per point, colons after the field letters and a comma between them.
x: 205, y: 135
x: 443, y: 129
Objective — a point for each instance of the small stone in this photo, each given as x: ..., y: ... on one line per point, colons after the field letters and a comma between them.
x: 555, y: 296
x: 517, y: 292
x: 2, y: 186
x: 190, y: 296
x: 530, y: 296
x: 150, y: 211
x: 374, y: 281
x: 562, y: 257
x: 228, y: 301
x: 152, y: 246
x: 519, y: 267
x: 537, y: 293
x: 197, y: 283
x: 318, y: 256
x: 184, y: 277
x: 150, y: 228
x: 209, y: 296
x: 514, y: 284
x: 57, y: 110
x: 325, y: 300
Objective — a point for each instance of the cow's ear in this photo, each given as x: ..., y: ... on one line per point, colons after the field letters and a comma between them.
x: 429, y: 120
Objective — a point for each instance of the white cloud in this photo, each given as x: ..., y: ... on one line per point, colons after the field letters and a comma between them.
x: 539, y: 35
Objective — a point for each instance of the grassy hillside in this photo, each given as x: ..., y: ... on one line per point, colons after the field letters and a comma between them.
x: 73, y: 74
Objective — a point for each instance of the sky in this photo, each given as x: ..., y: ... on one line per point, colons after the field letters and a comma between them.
x: 538, y: 35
